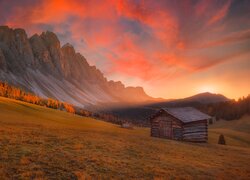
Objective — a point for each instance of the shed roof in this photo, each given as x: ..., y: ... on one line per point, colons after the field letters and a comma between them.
x: 187, y: 114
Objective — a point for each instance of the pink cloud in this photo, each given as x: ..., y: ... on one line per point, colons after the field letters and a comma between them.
x: 164, y: 25
x: 178, y: 34
x: 220, y: 14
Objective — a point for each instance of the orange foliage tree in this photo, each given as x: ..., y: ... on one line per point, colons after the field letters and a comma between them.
x: 16, y: 93
x: 69, y: 108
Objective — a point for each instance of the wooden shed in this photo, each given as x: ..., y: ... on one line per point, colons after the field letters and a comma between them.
x: 186, y: 124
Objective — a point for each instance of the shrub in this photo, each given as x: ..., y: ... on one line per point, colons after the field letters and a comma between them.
x: 222, y: 140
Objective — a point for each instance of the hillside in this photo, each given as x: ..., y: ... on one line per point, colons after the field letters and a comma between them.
x: 236, y: 132
x: 221, y: 108
x: 202, y: 98
x: 37, y: 142
x: 206, y: 98
x: 140, y: 113
x: 41, y: 65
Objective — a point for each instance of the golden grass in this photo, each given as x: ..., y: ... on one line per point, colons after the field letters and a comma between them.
x: 42, y: 143
x: 236, y: 132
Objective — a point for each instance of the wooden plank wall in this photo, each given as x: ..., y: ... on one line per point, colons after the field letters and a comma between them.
x: 195, y: 132
x: 157, y: 129
x: 155, y: 132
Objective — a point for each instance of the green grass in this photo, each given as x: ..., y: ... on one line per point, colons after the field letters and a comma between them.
x: 37, y: 142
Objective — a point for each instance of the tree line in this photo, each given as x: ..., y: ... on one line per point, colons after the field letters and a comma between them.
x: 228, y: 110
x: 13, y: 92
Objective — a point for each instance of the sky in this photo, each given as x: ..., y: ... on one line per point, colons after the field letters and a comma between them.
x: 172, y: 48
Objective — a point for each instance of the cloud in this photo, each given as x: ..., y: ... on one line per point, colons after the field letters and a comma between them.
x: 162, y: 23
x: 234, y: 37
x: 220, y: 14
x: 149, y: 40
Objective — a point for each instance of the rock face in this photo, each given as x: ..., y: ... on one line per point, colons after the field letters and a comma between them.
x: 16, y: 49
x: 40, y: 65
x: 3, y: 65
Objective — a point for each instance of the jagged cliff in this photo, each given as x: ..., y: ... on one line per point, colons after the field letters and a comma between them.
x: 40, y: 65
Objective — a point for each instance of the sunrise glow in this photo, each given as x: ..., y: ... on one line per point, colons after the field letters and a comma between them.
x: 124, y: 89
x: 153, y: 44
x: 207, y: 88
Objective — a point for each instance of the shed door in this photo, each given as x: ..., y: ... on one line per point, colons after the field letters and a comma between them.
x: 166, y: 129
x: 177, y: 133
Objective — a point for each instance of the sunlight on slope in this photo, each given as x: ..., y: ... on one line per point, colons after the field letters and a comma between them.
x: 236, y: 132
x: 38, y: 142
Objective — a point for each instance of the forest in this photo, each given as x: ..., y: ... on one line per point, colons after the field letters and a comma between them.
x: 229, y: 110
x: 13, y: 92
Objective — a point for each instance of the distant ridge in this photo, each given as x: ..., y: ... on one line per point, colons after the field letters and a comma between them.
x: 201, y: 98
x: 140, y: 114
x: 206, y: 98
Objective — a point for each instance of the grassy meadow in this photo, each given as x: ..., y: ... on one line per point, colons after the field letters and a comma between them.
x: 42, y: 143
x: 236, y: 133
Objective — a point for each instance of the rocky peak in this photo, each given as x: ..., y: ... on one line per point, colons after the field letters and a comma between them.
x: 41, y: 53
x: 34, y: 37
x: 6, y: 35
x: 23, y: 46
x: 4, y: 28
x: 20, y: 34
x: 50, y: 39
x: 136, y: 93
x: 137, y: 89
x: 82, y: 59
x: 53, y: 45
x: 57, y: 72
x: 67, y: 45
x: 68, y: 49
x: 15, y: 45
x: 116, y: 85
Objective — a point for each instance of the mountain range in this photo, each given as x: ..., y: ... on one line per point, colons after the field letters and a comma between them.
x: 201, y: 98
x: 139, y: 114
x: 39, y: 64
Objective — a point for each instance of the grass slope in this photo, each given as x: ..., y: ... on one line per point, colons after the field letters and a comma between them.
x: 236, y: 133
x: 37, y: 142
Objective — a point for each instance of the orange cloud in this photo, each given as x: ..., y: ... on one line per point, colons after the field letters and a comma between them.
x: 57, y: 11
x: 129, y: 59
x: 148, y: 40
x: 202, y: 6
x: 161, y: 21
x: 220, y: 14
x: 234, y: 37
